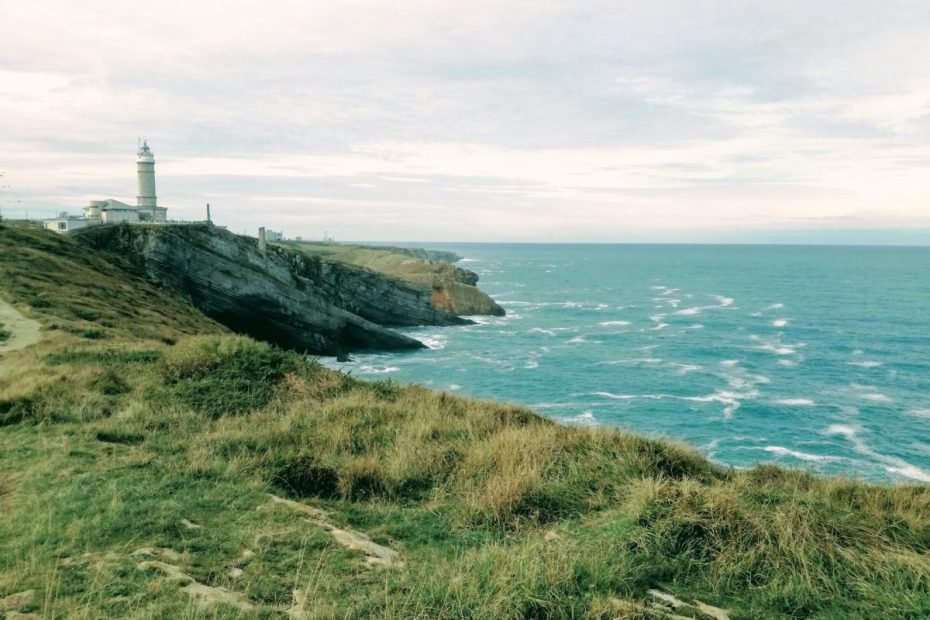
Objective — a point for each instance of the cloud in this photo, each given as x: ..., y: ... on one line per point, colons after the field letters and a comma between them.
x: 418, y: 120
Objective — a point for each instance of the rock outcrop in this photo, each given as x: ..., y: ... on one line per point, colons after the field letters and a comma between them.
x: 450, y: 289
x: 280, y: 296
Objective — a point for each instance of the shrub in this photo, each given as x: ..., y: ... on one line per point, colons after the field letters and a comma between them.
x: 305, y: 476
x: 222, y: 375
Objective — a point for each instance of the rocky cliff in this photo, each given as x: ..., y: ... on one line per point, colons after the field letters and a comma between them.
x: 450, y: 288
x: 281, y: 296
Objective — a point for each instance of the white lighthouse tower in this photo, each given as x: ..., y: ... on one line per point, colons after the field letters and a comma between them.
x: 146, y: 201
x: 145, y: 198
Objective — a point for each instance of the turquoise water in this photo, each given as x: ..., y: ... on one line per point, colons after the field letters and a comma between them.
x: 813, y: 357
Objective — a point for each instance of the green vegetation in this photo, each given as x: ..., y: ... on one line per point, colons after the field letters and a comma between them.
x: 399, y: 263
x: 161, y: 446
x: 4, y: 334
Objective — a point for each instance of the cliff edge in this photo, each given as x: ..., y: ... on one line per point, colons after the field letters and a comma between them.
x: 277, y: 296
x: 449, y: 287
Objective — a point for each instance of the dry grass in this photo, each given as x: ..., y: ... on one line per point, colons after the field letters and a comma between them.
x: 112, y: 443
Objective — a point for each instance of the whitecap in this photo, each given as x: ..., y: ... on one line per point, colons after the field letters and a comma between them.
x: 684, y: 369
x: 540, y: 330
x: 631, y: 362
x: 778, y: 306
x: 453, y: 387
x: 876, y: 397
x: 909, y: 471
x: 865, y: 364
x: 893, y: 465
x: 694, y: 326
x: 613, y: 323
x: 531, y: 364
x: 434, y: 342
x: 779, y: 322
x: 658, y: 327
x: 796, y: 402
x: 584, y: 419
x: 788, y: 363
x: 845, y: 430
x: 377, y: 370
x: 729, y: 399
x: 920, y: 413
x: 689, y: 311
x: 729, y: 363
x: 801, y: 456
x: 630, y: 396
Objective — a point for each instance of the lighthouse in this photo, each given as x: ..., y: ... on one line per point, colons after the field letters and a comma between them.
x: 145, y: 164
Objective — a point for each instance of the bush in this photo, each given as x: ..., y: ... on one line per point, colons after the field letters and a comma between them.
x: 224, y: 375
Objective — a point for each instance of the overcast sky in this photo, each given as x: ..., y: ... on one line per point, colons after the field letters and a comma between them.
x: 647, y: 120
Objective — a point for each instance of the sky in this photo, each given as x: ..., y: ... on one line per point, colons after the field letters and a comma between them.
x: 396, y: 120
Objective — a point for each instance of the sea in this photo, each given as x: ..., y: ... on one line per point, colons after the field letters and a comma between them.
x: 813, y: 357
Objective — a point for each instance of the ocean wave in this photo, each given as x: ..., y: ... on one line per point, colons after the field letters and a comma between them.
x: 788, y: 363
x: 613, y: 323
x: 631, y: 362
x: 796, y: 402
x: 845, y: 430
x: 780, y: 323
x: 909, y: 471
x: 893, y: 465
x: 541, y: 330
x: 876, y: 397
x: 377, y: 370
x: 584, y: 419
x: 722, y: 302
x: 776, y: 346
x: 731, y: 400
x: 801, y: 456
x: 729, y: 363
x: 434, y: 341
x: 919, y: 413
x: 684, y: 369
x: 866, y: 364
x: 631, y: 396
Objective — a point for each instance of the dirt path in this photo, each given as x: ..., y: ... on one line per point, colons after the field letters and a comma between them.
x: 23, y: 331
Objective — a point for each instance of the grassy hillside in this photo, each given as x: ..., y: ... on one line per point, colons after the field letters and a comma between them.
x: 398, y: 263
x: 156, y: 466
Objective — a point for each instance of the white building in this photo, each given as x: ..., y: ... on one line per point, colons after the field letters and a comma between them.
x: 66, y: 223
x: 110, y: 211
x: 274, y: 235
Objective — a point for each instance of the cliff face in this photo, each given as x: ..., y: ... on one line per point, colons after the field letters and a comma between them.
x: 449, y: 288
x: 292, y: 300
x: 380, y: 299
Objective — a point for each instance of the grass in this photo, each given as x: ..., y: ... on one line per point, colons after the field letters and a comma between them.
x: 173, y: 434
x: 4, y: 333
x: 402, y: 264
